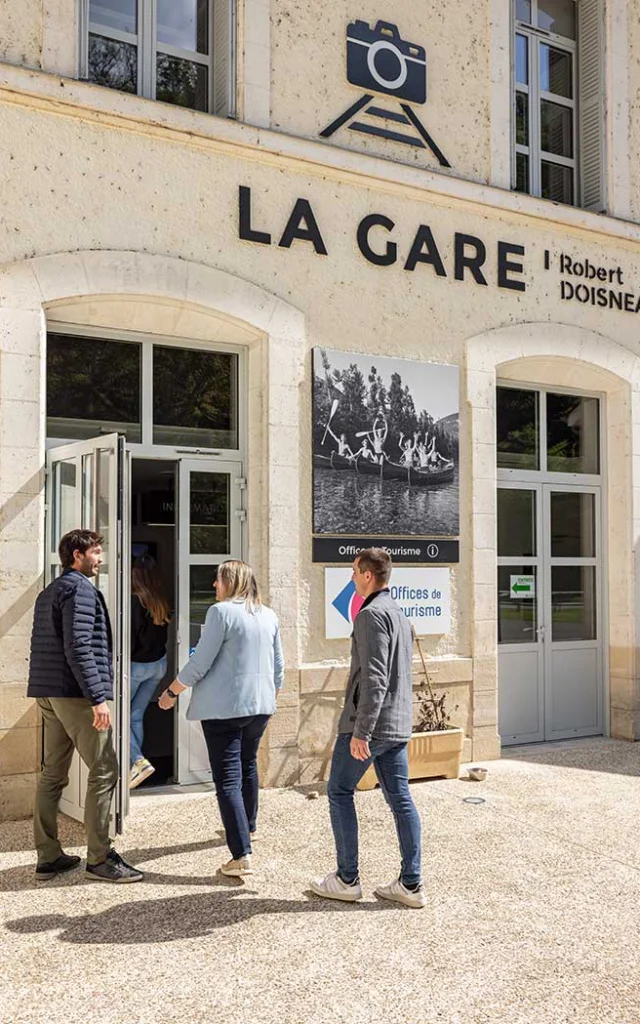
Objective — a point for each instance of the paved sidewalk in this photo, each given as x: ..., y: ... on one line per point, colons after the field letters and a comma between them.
x: 534, y: 915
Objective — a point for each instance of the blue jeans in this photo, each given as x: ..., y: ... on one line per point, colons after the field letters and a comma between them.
x: 233, y: 753
x: 392, y: 768
x: 145, y: 676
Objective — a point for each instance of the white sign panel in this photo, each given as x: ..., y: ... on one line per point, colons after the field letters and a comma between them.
x: 423, y: 595
x: 522, y: 587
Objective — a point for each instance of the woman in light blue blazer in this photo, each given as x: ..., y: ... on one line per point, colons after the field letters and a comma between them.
x: 235, y: 672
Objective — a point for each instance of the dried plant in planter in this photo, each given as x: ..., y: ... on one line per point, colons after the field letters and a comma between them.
x: 433, y: 715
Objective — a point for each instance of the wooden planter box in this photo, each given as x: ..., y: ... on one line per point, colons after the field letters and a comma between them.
x: 431, y: 754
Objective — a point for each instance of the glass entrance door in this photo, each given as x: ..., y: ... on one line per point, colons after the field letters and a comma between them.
x: 549, y: 621
x: 209, y: 531
x: 87, y: 486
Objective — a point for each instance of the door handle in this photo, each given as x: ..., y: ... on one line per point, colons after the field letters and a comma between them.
x: 541, y: 630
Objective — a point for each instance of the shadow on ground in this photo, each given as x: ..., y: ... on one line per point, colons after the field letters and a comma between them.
x: 181, y: 917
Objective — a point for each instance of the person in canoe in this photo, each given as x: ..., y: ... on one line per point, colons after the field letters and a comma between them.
x: 343, y: 447
x: 434, y: 458
x: 377, y: 436
x: 364, y: 452
x: 408, y: 449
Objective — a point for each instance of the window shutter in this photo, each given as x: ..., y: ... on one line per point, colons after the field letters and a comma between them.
x: 591, y: 42
x: 224, y: 78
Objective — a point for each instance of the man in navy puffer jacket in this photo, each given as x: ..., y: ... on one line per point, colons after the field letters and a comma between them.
x: 71, y: 677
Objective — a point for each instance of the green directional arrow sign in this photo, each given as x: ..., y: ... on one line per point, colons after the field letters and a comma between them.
x: 522, y: 587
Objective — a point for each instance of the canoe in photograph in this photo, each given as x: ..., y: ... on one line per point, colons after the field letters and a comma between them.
x: 390, y: 470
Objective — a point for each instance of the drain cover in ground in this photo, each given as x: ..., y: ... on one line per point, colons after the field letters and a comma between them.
x: 474, y: 800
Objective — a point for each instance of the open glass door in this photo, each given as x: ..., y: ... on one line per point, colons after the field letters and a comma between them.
x: 87, y: 487
x: 210, y: 520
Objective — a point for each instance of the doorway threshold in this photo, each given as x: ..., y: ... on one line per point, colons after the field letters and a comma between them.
x: 550, y: 746
x: 173, y: 789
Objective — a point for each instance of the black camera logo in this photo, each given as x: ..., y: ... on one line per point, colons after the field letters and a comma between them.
x: 378, y: 59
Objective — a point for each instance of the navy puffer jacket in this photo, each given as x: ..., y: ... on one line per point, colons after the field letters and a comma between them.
x: 71, y: 648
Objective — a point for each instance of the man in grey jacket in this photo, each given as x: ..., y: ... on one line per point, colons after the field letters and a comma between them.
x: 375, y: 726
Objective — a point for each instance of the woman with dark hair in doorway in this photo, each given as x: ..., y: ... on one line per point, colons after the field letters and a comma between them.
x: 235, y: 671
x: 150, y: 617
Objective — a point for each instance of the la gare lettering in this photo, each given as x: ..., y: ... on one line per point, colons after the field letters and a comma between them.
x: 377, y: 244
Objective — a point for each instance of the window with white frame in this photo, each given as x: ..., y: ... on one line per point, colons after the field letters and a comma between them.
x: 558, y: 101
x: 177, y: 51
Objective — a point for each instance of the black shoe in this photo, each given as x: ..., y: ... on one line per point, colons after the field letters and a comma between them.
x: 114, y: 869
x: 65, y: 862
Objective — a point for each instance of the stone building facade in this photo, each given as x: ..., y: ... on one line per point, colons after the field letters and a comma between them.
x: 203, y: 179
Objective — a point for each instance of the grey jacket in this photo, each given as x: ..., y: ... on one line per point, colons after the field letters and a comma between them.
x: 379, y: 694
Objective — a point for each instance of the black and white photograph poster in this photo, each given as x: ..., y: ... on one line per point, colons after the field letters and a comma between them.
x: 385, y: 447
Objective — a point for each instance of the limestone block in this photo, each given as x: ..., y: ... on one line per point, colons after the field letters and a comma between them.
x: 623, y: 692
x: 21, y: 469
x: 467, y: 748
x: 17, y: 710
x: 484, y: 530
x: 283, y: 767
x: 319, y: 717
x: 22, y: 515
x: 484, y: 567
x: 446, y: 670
x: 314, y: 769
x: 284, y: 406
x: 484, y: 461
x: 20, y: 423
x: 485, y: 603
x: 329, y: 679
x: 14, y: 660
x: 485, y: 673
x: 283, y: 728
x: 484, y: 637
x: 19, y: 750
x: 21, y: 318
x: 20, y: 378
x: 486, y: 743
x: 16, y: 796
x: 21, y: 33
x: 288, y: 697
x: 485, y: 708
x: 622, y: 724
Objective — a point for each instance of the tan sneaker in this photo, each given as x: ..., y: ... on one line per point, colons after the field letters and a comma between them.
x: 238, y: 868
x: 140, y: 770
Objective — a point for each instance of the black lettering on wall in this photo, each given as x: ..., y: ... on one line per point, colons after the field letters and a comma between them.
x: 472, y: 262
x: 390, y: 254
x: 506, y: 266
x: 302, y: 224
x: 425, y: 250
x: 245, y: 230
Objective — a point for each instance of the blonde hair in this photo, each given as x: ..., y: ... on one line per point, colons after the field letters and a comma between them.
x: 240, y: 583
x: 146, y: 585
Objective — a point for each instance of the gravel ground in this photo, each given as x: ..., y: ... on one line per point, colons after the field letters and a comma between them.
x: 533, y: 915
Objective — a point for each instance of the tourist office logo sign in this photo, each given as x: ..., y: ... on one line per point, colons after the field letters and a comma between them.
x: 379, y: 60
x: 423, y: 594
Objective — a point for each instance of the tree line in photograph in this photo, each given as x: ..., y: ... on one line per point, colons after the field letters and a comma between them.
x: 361, y: 400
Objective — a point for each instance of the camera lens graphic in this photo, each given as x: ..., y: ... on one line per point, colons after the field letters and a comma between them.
x: 387, y: 83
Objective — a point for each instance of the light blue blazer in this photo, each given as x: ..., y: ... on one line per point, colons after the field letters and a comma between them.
x: 237, y: 666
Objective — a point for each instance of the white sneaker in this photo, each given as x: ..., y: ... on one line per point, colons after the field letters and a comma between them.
x: 238, y: 868
x: 399, y: 893
x: 333, y: 888
x: 140, y: 770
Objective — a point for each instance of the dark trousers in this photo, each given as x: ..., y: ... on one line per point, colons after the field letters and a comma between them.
x: 233, y: 754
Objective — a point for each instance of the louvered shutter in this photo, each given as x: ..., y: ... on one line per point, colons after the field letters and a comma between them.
x: 591, y: 44
x: 224, y: 63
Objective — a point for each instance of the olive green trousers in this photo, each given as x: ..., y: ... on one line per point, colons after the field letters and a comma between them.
x: 68, y: 726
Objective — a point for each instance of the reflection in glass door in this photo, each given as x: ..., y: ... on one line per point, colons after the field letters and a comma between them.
x: 209, y: 531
